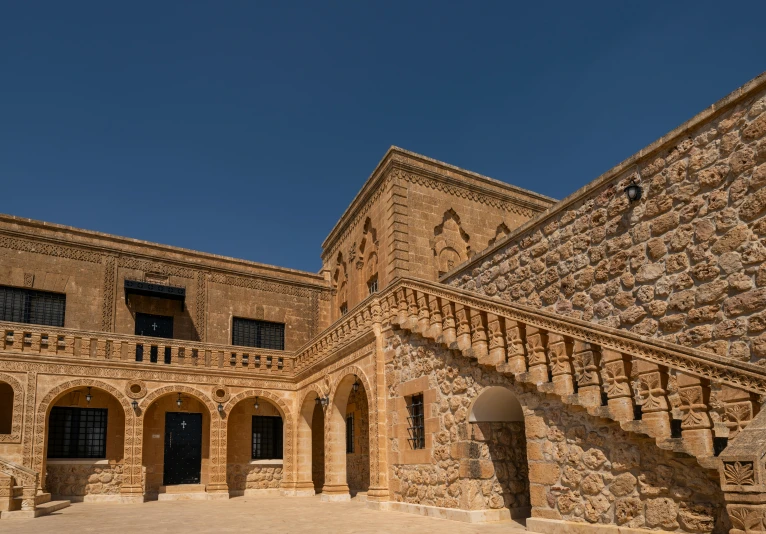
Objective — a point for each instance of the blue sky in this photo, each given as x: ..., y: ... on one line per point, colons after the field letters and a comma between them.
x: 246, y: 128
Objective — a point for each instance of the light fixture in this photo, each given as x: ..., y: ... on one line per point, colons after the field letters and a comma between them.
x: 88, y: 397
x: 135, y: 405
x: 355, y: 385
x: 256, y: 403
x: 220, y: 408
x: 322, y: 401
x: 633, y: 191
x: 179, y: 401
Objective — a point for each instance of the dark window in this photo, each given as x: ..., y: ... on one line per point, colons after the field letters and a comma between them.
x: 29, y: 306
x: 372, y: 285
x: 415, y: 419
x: 77, y: 433
x: 350, y: 434
x: 261, y: 334
x: 343, y: 309
x: 267, y: 438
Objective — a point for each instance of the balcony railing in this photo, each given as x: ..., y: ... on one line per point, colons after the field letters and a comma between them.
x: 150, y: 351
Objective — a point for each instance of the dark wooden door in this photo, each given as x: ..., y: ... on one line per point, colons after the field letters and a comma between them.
x: 183, y: 448
x: 154, y: 325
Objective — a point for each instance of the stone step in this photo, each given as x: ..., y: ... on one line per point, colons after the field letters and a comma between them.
x: 39, y: 511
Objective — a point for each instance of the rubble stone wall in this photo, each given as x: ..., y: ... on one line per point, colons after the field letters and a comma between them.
x: 252, y: 476
x: 578, y: 468
x: 685, y: 263
x: 78, y: 479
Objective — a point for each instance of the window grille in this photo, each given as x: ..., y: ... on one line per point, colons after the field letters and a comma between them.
x: 267, y: 437
x: 416, y: 421
x: 343, y: 309
x: 20, y: 305
x: 372, y: 285
x: 77, y: 432
x: 260, y: 334
x: 350, y: 434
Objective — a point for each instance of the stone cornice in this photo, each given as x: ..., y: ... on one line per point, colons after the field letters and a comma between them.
x: 674, y: 136
x: 421, y: 165
x: 108, y: 244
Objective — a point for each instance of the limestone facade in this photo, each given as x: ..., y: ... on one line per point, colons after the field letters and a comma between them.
x: 598, y: 365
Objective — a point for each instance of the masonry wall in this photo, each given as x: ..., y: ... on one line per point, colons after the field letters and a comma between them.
x: 91, y: 269
x: 574, y: 467
x: 425, y: 217
x: 684, y: 264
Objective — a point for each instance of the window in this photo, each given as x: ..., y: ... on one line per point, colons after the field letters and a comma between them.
x: 343, y: 309
x: 34, y: 307
x: 260, y: 334
x: 6, y: 408
x: 350, y: 434
x: 415, y: 419
x: 77, y: 433
x: 372, y: 285
x: 267, y: 438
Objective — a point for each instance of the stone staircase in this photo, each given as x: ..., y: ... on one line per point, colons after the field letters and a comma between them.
x: 689, y: 401
x: 18, y: 485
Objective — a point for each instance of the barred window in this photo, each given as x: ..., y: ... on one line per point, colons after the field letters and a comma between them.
x: 350, y: 434
x: 20, y: 305
x: 267, y: 438
x: 260, y: 334
x: 416, y: 420
x: 343, y: 309
x: 372, y: 285
x: 77, y: 432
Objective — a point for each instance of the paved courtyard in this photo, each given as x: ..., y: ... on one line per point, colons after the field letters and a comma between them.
x: 306, y: 515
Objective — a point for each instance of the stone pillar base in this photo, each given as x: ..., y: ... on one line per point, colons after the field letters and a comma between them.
x: 335, y: 492
x: 557, y: 526
x: 453, y: 514
x: 300, y: 489
x: 377, y: 494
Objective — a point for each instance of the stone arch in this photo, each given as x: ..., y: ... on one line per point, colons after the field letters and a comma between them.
x: 340, y: 284
x: 450, y: 243
x: 501, y: 231
x: 497, y: 432
x: 368, y: 259
x: 496, y: 404
x: 17, y: 409
x: 304, y: 442
x: 284, y: 411
x: 217, y: 431
x: 335, y: 459
x: 41, y: 427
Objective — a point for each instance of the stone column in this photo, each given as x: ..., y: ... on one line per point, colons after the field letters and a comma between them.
x: 378, y: 490
x: 132, y: 488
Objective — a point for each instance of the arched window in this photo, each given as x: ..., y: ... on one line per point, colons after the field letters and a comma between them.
x: 6, y: 408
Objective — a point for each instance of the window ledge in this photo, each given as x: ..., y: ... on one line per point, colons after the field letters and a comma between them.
x: 78, y: 461
x: 266, y: 462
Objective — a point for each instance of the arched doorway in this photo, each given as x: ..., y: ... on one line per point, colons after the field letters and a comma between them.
x: 347, y: 460
x: 310, y: 445
x: 84, y: 447
x: 497, y: 432
x: 255, y: 447
x: 6, y: 408
x: 176, y: 447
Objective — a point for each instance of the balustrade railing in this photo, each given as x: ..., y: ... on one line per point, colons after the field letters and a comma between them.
x: 151, y: 351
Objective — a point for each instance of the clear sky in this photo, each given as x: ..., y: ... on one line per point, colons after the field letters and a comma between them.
x: 246, y: 128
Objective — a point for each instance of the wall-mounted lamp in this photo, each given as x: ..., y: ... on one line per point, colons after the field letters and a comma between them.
x: 135, y: 405
x: 220, y: 408
x: 88, y: 397
x: 179, y: 402
x: 633, y: 191
x: 355, y: 385
x: 322, y: 401
x: 256, y: 405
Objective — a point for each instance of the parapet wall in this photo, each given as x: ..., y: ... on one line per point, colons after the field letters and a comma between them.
x: 685, y: 263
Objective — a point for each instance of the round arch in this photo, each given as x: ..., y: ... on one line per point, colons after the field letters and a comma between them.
x: 335, y: 456
x: 496, y: 404
x: 284, y: 411
x: 41, y: 427
x: 17, y: 409
x: 304, y: 441
x: 217, y: 431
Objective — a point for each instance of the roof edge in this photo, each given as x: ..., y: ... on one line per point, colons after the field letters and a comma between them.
x: 719, y: 107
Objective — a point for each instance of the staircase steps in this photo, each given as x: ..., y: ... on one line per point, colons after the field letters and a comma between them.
x: 40, y: 510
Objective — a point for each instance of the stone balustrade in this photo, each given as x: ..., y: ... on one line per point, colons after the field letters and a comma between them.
x: 110, y: 347
x: 25, y: 478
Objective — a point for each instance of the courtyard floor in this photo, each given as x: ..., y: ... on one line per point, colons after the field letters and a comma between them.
x: 305, y: 515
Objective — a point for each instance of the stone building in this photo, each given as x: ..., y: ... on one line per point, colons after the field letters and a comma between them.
x: 470, y: 350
